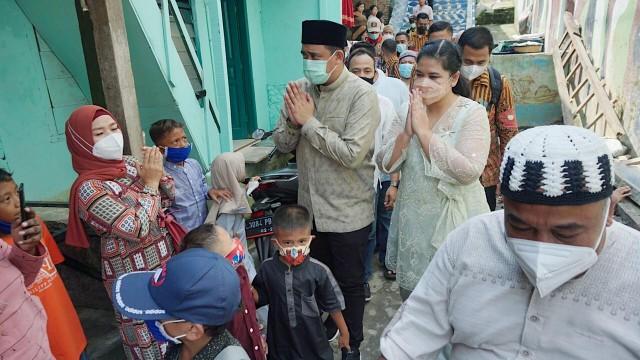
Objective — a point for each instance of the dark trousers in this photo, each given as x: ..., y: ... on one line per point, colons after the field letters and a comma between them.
x: 491, y: 196
x: 379, y: 231
x: 343, y: 253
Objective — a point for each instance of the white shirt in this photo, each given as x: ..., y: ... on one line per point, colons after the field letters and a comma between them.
x: 423, y: 9
x: 474, y: 296
x: 394, y: 90
x: 387, y: 117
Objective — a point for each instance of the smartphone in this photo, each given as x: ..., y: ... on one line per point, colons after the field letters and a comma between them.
x: 23, y: 212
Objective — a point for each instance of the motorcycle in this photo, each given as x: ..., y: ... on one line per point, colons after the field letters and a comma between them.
x: 274, y: 189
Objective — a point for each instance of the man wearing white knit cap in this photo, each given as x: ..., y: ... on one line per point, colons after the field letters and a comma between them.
x: 544, y: 279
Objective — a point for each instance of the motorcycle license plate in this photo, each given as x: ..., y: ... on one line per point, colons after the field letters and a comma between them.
x: 259, y: 227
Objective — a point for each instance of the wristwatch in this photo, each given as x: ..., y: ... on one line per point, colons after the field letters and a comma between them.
x: 395, y: 184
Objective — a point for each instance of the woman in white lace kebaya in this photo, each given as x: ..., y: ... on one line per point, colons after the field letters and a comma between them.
x: 441, y: 150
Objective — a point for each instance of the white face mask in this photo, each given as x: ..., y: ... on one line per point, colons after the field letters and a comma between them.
x: 432, y: 91
x: 110, y: 147
x: 548, y: 266
x: 471, y: 72
x: 165, y: 334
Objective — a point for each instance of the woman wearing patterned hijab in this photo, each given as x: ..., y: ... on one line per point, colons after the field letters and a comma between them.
x: 122, y: 201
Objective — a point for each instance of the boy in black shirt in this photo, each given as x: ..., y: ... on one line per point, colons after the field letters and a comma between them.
x: 296, y: 288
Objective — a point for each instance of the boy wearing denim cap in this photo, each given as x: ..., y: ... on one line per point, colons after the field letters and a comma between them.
x: 188, y: 303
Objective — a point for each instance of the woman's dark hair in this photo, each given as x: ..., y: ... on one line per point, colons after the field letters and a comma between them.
x: 477, y: 38
x: 450, y: 57
x: 5, y: 176
x: 357, y: 5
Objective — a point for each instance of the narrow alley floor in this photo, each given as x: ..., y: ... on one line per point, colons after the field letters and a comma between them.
x: 377, y: 313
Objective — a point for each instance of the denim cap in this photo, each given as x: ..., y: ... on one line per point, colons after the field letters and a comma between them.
x: 196, y: 285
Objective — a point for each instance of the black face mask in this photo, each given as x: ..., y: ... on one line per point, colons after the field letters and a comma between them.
x: 421, y: 29
x: 369, y: 80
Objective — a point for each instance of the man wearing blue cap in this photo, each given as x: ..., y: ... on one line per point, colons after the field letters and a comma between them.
x: 187, y: 303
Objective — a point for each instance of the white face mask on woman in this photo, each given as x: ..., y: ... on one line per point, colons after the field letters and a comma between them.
x: 109, y: 147
x: 548, y: 266
x: 432, y: 91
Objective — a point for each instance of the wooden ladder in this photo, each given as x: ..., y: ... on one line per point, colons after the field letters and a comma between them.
x: 585, y: 99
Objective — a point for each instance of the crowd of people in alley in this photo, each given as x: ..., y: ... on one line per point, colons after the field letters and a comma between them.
x: 502, y: 243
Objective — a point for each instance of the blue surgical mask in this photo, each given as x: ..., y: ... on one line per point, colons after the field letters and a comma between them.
x: 177, y: 155
x: 405, y: 70
x: 156, y: 328
x: 400, y: 48
x: 5, y: 227
x: 316, y: 70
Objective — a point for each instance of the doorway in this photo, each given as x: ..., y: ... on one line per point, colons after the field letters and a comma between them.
x: 236, y: 35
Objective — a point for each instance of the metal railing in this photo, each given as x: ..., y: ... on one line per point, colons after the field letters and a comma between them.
x: 170, y: 8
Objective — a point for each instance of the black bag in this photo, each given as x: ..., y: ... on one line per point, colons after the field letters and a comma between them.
x: 495, y: 81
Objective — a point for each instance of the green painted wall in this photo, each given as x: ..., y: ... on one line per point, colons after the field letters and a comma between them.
x: 275, y: 27
x: 38, y: 93
x: 157, y: 98
x: 257, y: 45
x: 57, y: 23
x: 50, y: 80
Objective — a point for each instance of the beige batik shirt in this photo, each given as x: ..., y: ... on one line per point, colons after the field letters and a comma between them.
x: 334, y: 151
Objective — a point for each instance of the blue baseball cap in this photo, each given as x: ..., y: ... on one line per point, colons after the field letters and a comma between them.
x: 196, y: 285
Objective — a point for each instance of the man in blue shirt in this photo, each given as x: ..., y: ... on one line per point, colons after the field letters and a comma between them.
x: 192, y: 193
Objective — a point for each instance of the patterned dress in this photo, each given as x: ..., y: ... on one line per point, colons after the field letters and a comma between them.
x: 127, y: 217
x: 437, y: 192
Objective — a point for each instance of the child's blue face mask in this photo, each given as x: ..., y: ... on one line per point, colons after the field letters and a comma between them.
x: 177, y: 155
x: 5, y: 227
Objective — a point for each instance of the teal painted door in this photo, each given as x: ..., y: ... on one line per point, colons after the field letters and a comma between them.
x: 243, y: 114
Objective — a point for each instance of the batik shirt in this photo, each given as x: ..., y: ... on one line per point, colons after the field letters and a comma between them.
x: 392, y: 67
x: 296, y: 295
x: 417, y: 41
x: 502, y: 122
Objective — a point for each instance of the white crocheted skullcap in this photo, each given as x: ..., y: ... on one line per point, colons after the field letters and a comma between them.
x: 556, y: 165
